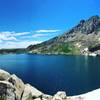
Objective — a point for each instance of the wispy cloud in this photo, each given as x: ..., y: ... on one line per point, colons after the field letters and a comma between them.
x: 39, y: 35
x: 21, y: 33
x: 19, y: 44
x: 12, y: 39
x: 5, y: 36
x: 47, y: 31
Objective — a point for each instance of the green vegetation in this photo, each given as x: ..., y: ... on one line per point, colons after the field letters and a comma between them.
x: 67, y: 48
x: 64, y: 48
x: 2, y: 98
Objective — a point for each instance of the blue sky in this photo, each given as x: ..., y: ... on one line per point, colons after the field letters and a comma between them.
x: 25, y: 22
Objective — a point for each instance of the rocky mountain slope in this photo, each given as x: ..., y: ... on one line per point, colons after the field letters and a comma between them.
x: 13, y: 88
x: 84, y: 38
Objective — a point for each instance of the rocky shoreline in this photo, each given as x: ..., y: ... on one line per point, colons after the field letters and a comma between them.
x: 13, y: 88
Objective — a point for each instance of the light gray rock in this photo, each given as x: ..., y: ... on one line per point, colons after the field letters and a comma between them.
x: 37, y: 99
x: 60, y: 96
x: 7, y: 91
x: 31, y: 93
x: 46, y: 97
x: 4, y: 75
x: 18, y: 84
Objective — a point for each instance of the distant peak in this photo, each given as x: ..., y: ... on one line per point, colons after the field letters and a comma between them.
x: 82, y: 21
x: 95, y: 17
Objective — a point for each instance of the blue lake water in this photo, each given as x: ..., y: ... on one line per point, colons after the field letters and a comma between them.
x: 52, y: 73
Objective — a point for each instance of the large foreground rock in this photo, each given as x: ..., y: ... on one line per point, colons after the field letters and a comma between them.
x: 7, y: 91
x: 4, y: 75
x: 18, y: 84
x: 60, y: 96
x: 31, y: 93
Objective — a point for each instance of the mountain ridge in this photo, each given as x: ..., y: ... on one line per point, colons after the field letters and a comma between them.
x: 84, y: 35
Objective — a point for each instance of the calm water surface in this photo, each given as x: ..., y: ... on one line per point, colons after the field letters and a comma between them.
x: 51, y: 73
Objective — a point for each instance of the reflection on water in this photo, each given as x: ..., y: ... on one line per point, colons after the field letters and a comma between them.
x: 50, y: 73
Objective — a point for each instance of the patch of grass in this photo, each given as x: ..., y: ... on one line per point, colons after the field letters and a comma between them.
x: 64, y: 48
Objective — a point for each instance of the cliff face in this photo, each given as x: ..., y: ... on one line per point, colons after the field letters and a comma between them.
x: 84, y: 35
x: 13, y: 88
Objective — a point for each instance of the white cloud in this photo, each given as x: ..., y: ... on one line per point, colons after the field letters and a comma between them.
x: 19, y: 44
x: 45, y: 31
x: 6, y: 36
x: 21, y: 33
x: 39, y: 35
x: 12, y: 39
